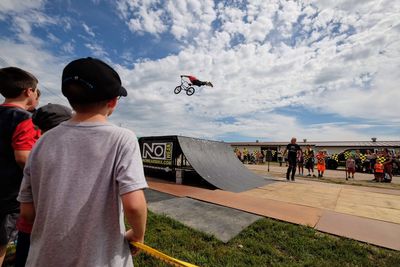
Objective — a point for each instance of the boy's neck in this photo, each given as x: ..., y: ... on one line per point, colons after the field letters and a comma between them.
x: 89, y: 117
x: 16, y: 102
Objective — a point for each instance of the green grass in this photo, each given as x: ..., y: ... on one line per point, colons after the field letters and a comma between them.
x: 265, y: 243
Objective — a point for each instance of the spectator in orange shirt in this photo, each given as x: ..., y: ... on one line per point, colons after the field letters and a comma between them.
x: 321, y: 164
x: 379, y: 171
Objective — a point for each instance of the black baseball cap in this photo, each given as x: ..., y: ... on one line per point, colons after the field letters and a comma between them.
x: 97, y: 79
x: 51, y: 115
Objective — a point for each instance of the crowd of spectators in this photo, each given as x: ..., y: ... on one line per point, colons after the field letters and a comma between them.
x: 382, y: 164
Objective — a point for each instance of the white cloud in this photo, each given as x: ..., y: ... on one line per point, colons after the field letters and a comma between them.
x: 88, y: 30
x: 40, y: 63
x: 143, y: 15
x: 53, y: 38
x: 282, y: 128
x: 97, y: 50
x: 343, y: 59
x: 24, y: 16
x: 68, y: 47
x: 183, y: 19
x: 333, y: 71
x: 12, y: 6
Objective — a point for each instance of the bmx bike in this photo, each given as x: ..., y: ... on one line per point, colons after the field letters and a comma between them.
x: 186, y: 87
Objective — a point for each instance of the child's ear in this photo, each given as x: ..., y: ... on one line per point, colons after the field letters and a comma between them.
x: 28, y: 92
x: 112, y: 103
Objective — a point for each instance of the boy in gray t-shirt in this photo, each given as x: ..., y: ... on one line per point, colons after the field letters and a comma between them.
x: 81, y: 175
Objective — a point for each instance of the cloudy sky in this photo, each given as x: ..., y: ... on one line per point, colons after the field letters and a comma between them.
x: 320, y: 70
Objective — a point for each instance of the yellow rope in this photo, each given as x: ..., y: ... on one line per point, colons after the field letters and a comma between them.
x: 159, y: 255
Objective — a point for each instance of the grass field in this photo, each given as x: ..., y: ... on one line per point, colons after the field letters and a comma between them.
x: 265, y: 243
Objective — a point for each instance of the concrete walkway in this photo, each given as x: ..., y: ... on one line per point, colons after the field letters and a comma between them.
x: 222, y: 222
x: 370, y: 215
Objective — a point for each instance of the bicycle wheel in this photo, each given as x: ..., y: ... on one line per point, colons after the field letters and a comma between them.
x: 190, y: 91
x: 177, y: 89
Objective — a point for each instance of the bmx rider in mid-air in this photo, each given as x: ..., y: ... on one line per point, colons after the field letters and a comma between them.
x: 194, y: 81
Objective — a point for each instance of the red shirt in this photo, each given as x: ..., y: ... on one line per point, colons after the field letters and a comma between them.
x: 379, y: 168
x: 192, y: 78
x: 24, y: 226
x: 25, y: 134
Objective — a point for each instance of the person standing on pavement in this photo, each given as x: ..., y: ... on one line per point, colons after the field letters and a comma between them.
x: 350, y: 167
x: 321, y: 165
x: 309, y: 159
x: 291, y: 150
x: 300, y: 162
x: 280, y: 157
x: 388, y: 165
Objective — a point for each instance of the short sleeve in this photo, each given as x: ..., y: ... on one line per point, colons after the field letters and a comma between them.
x: 25, y: 135
x: 25, y: 191
x: 129, y: 166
